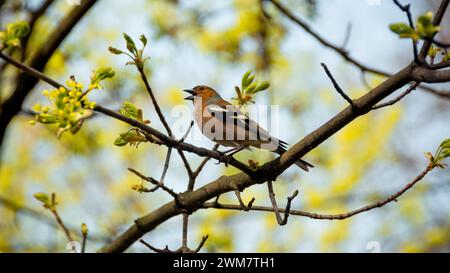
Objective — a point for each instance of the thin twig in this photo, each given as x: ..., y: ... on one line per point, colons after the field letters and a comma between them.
x: 241, y: 203
x: 397, y: 99
x: 33, y: 72
x: 345, y: 55
x: 281, y: 221
x: 187, y: 132
x: 202, y: 243
x: 337, y: 87
x: 156, y: 183
x: 166, y: 165
x: 157, y: 250
x: 407, y: 10
x: 348, y: 33
x: 154, y: 101
x: 318, y: 216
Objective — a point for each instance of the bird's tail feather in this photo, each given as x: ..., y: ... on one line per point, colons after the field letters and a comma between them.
x: 301, y: 163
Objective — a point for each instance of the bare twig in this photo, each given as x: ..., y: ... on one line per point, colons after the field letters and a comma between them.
x: 281, y: 220
x: 241, y: 203
x: 58, y: 219
x: 406, y: 9
x: 397, y: 99
x: 33, y: 72
x: 187, y: 132
x: 154, y: 101
x: 179, y: 250
x: 345, y: 55
x: 166, y: 165
x: 318, y: 216
x: 158, y: 184
x: 348, y: 33
x: 202, y: 243
x: 337, y: 87
x: 157, y: 250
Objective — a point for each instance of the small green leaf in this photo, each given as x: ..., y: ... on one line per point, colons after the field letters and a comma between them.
x: 261, y: 87
x: 426, y: 19
x: 425, y: 27
x: 249, y: 81
x: 245, y: 78
x: 102, y: 74
x: 251, y: 88
x: 14, y: 32
x: 116, y: 51
x: 131, y: 46
x: 404, y: 31
x: 129, y: 110
x: 42, y: 197
x: 445, y: 144
x: 120, y: 142
x: 143, y: 39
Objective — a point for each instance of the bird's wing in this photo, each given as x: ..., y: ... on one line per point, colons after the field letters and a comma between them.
x: 240, y: 121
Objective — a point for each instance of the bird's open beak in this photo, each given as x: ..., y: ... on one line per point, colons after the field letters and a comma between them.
x: 190, y: 91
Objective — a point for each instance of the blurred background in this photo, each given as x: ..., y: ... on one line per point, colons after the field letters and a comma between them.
x: 215, y: 43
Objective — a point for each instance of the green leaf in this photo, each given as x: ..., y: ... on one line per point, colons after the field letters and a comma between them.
x: 116, y: 51
x: 131, y: 46
x: 425, y: 27
x: 130, y: 110
x: 42, y: 197
x: 102, y: 74
x: 426, y: 19
x: 14, y: 32
x: 245, y: 78
x: 261, y: 87
x: 143, y: 39
x: 249, y: 80
x: 132, y: 137
x: 445, y: 144
x: 120, y: 141
x: 251, y: 88
x: 404, y: 31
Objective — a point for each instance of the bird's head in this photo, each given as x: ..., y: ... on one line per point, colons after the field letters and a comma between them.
x: 201, y: 91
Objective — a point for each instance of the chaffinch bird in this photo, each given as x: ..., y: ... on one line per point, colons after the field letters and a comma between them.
x: 226, y: 125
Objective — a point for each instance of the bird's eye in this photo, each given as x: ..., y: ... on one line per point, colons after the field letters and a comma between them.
x: 202, y: 88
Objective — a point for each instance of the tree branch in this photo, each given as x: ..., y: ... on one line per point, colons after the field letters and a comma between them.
x: 281, y: 220
x: 397, y: 99
x: 318, y: 216
x: 406, y: 9
x: 342, y: 52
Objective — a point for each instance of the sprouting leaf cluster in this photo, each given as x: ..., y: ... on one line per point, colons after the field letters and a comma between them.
x: 13, y: 33
x: 69, y: 106
x: 135, y: 54
x: 134, y: 136
x: 442, y: 153
x: 425, y: 29
x: 249, y: 87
